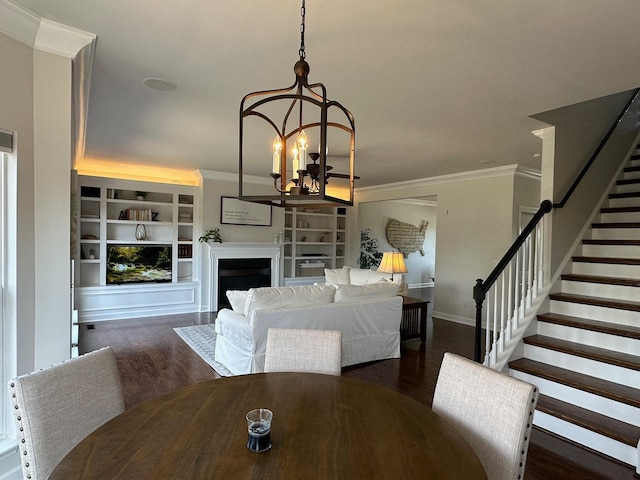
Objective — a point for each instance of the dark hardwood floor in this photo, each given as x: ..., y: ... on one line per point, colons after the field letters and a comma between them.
x: 153, y: 360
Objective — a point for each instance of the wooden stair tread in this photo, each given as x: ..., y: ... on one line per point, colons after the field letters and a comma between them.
x: 597, y: 354
x: 620, y: 209
x: 589, y: 241
x: 633, y: 169
x: 626, y: 282
x: 596, y: 422
x: 592, y: 325
x: 586, y: 383
x: 611, y: 260
x: 615, y: 225
x: 567, y: 459
x: 628, y: 181
x: 596, y: 301
x: 625, y: 195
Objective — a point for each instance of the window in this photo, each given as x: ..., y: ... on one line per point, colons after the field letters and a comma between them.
x: 8, y: 315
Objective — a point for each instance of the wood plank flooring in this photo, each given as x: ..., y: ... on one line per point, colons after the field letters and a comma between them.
x: 153, y: 360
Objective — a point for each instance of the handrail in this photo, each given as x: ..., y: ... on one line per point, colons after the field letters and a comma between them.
x: 481, y: 287
x: 596, y: 152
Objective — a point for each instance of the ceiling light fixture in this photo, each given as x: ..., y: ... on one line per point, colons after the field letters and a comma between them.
x: 304, y: 115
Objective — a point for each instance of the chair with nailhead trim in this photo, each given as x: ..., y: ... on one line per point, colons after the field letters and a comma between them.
x: 55, y: 408
x: 491, y: 410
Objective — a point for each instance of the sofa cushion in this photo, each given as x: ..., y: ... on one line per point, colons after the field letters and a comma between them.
x: 363, y: 276
x: 352, y: 293
x: 282, y: 297
x: 238, y: 300
x: 336, y: 276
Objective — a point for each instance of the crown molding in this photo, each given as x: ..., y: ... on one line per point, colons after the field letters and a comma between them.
x: 508, y: 170
x: 233, y: 177
x: 18, y: 23
x: 62, y: 40
x: 26, y: 27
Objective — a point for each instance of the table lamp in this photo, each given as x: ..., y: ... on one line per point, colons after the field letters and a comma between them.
x: 392, y: 262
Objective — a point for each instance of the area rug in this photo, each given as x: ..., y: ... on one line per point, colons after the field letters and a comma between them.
x: 202, y: 340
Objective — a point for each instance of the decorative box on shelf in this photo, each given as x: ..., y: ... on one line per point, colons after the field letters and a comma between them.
x: 311, y: 268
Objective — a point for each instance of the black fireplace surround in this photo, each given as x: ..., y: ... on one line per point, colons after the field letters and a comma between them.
x: 241, y: 274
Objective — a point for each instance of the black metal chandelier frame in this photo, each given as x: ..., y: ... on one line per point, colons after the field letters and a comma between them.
x: 296, y: 191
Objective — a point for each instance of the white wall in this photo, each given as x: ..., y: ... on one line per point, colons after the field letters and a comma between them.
x: 578, y: 131
x: 214, y: 186
x: 474, y: 229
x: 52, y: 180
x: 376, y: 216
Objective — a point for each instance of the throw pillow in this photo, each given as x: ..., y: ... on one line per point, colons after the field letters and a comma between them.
x: 336, y: 276
x: 351, y: 293
x: 283, y: 297
x: 362, y: 276
x: 237, y: 299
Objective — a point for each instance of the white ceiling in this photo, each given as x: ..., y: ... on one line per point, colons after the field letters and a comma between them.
x: 436, y: 87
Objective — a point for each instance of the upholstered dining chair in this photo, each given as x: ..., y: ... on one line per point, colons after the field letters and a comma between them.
x: 304, y: 350
x: 58, y: 406
x: 492, y: 411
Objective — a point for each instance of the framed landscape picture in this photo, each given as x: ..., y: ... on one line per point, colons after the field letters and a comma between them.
x: 238, y: 212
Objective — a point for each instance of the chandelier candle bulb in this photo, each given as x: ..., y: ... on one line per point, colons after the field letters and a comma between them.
x: 277, y: 150
x: 295, y: 163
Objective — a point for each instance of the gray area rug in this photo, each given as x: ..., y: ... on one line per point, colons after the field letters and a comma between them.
x: 202, y: 340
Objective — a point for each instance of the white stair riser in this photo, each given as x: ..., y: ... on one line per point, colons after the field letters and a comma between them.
x: 614, y: 292
x: 633, y: 187
x: 606, y: 269
x: 616, y: 343
x: 619, y: 217
x: 604, y: 406
x: 621, y: 451
x: 624, y: 202
x: 621, y: 317
x: 585, y: 366
x: 615, y: 233
x: 615, y: 251
x: 630, y: 175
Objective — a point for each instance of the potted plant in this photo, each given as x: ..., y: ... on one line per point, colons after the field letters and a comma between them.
x: 212, y: 235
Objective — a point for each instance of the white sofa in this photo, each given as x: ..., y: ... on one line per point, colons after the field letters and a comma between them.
x: 368, y: 316
x: 363, y: 276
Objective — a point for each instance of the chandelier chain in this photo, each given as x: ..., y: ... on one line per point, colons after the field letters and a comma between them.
x: 302, y: 14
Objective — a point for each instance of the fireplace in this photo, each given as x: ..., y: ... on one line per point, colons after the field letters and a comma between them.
x: 240, y: 266
x: 241, y: 274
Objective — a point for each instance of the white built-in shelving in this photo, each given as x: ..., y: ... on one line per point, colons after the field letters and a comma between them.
x: 315, y: 238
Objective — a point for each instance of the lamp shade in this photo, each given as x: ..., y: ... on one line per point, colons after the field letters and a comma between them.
x: 392, y: 262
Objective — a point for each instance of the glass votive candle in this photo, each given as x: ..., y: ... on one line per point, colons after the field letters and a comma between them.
x: 259, y: 427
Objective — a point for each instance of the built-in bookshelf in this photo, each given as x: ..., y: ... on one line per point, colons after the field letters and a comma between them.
x: 115, y: 213
x: 315, y: 239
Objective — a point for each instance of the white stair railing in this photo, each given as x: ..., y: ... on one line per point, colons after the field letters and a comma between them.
x: 513, y: 293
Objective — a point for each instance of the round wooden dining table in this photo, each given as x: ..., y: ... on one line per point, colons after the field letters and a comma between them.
x: 324, y: 427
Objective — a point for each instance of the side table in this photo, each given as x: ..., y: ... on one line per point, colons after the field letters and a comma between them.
x: 414, y: 318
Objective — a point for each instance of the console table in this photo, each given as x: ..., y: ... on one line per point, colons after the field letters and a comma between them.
x: 414, y: 318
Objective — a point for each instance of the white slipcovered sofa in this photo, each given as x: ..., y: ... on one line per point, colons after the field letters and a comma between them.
x: 363, y: 276
x: 368, y: 316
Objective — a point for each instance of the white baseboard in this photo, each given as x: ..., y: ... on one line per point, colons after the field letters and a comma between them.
x: 454, y: 318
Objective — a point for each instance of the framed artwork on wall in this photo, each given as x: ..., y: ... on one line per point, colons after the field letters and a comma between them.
x: 239, y: 212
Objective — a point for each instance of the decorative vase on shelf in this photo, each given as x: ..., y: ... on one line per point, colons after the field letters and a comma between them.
x: 141, y: 232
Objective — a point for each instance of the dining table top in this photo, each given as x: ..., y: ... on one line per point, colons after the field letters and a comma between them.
x: 324, y: 427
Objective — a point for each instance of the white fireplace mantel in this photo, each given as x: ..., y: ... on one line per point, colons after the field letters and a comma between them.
x: 227, y: 250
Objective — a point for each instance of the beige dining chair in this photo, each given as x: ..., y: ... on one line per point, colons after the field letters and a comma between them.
x: 55, y: 408
x: 304, y: 350
x: 492, y: 411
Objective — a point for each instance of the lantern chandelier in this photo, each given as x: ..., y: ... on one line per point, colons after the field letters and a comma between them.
x: 288, y: 120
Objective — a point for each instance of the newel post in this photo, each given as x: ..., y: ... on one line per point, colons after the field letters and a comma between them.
x: 478, y: 296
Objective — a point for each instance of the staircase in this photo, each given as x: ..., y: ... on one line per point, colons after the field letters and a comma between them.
x: 585, y: 357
